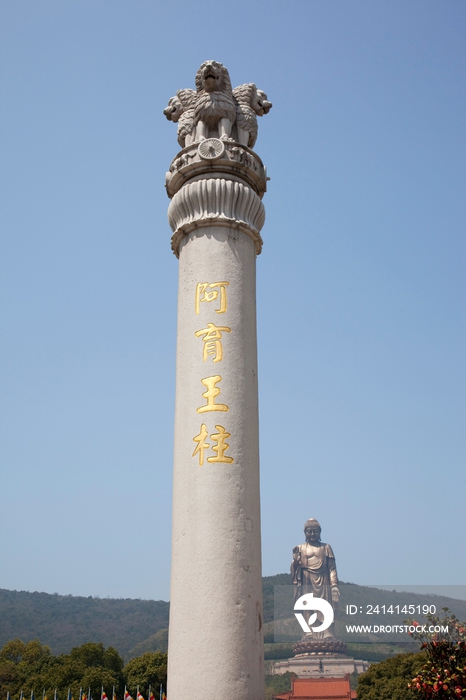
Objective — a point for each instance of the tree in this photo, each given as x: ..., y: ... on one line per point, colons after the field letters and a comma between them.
x: 31, y: 667
x: 388, y: 680
x: 443, y: 675
x: 18, y: 660
x: 148, y: 669
x: 277, y: 684
x: 91, y: 666
x: 17, y: 651
x: 438, y: 672
x: 94, y: 654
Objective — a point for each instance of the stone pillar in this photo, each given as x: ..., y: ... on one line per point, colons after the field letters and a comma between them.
x: 215, y: 636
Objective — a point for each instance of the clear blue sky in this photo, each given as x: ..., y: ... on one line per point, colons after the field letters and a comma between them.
x: 360, y: 284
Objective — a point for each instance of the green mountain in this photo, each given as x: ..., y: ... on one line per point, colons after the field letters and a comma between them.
x: 64, y: 622
x: 136, y: 626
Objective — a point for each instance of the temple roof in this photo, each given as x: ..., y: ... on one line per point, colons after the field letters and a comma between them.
x: 318, y: 689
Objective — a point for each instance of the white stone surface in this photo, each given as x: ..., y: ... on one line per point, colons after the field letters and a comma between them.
x: 216, y: 201
x: 215, y: 635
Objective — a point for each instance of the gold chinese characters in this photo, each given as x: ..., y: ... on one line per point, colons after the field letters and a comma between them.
x: 217, y: 288
x: 220, y: 445
x: 212, y: 337
x: 211, y: 446
x: 210, y: 395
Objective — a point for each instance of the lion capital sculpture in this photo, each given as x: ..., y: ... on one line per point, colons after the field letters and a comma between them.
x: 215, y: 110
x: 180, y: 110
x: 250, y: 103
x: 215, y: 106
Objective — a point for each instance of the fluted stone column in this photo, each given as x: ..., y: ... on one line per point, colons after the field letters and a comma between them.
x: 215, y: 635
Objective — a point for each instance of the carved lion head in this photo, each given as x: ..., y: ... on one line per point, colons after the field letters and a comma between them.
x: 248, y: 94
x: 264, y: 105
x: 174, y: 110
x: 212, y: 76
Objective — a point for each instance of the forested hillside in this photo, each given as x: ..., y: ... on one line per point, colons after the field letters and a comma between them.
x: 64, y: 622
x: 136, y: 626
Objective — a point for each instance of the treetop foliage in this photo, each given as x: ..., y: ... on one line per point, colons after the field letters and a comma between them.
x: 277, y: 684
x: 150, y: 669
x: 388, y: 680
x: 437, y: 672
x: 17, y: 651
x: 31, y: 667
x: 443, y: 675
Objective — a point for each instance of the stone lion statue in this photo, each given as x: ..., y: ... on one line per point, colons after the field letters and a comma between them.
x: 215, y: 106
x: 249, y: 102
x: 180, y: 110
x: 213, y: 109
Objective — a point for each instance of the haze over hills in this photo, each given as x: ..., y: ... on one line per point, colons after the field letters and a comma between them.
x: 64, y: 622
x: 135, y: 626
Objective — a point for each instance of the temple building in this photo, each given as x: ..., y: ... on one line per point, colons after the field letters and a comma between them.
x: 319, y: 689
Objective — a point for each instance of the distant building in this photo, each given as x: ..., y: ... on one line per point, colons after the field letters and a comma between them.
x: 327, y: 665
x: 319, y: 689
